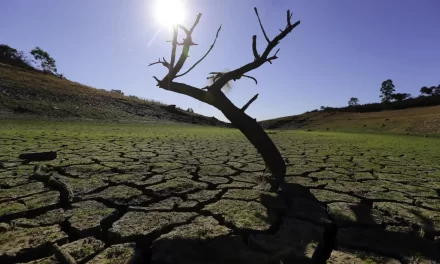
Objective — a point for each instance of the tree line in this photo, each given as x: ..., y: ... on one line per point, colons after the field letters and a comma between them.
x: 390, y: 100
x: 41, y: 60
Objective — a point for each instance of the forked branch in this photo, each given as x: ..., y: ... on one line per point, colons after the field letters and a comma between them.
x: 204, y: 56
x: 258, y: 60
x: 164, y: 63
x: 219, y: 79
x: 173, y: 67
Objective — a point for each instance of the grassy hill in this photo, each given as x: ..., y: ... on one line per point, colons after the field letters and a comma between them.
x: 25, y: 92
x: 419, y: 120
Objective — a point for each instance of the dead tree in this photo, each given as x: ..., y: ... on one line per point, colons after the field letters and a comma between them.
x: 213, y: 94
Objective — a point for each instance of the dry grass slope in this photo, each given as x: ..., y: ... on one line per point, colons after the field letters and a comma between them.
x: 33, y: 93
x: 421, y: 120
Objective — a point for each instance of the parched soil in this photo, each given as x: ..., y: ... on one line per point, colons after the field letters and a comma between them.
x: 199, y: 195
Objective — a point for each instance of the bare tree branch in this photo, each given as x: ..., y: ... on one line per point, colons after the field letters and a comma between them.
x: 195, y: 23
x: 274, y: 57
x: 183, y: 43
x: 204, y: 56
x: 216, y: 75
x: 185, y: 89
x: 187, y: 42
x: 254, y: 47
x: 250, y: 77
x: 164, y: 63
x: 261, y: 25
x: 289, y: 17
x: 173, y: 50
x: 249, y: 103
x: 237, y: 73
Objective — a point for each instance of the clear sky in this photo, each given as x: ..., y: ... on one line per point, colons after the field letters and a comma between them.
x: 342, y: 49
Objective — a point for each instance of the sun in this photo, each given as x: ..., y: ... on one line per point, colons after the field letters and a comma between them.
x: 170, y: 12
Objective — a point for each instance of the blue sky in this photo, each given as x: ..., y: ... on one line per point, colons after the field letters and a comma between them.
x: 342, y: 49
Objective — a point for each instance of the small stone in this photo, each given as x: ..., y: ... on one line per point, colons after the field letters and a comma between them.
x: 39, y: 156
x: 4, y: 227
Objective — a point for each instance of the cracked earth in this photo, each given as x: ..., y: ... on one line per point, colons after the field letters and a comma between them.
x: 197, y: 197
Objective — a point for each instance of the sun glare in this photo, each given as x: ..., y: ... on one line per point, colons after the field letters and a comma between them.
x: 169, y: 12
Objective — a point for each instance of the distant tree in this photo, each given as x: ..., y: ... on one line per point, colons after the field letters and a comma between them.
x: 353, y: 101
x: 399, y: 97
x: 426, y: 91
x: 387, y: 90
x: 47, y: 63
x: 322, y: 107
x: 190, y: 110
x: 7, y: 53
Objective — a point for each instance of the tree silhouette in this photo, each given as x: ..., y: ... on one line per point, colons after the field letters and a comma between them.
x: 399, y: 97
x: 387, y: 90
x: 426, y: 91
x: 213, y: 94
x: 47, y: 63
x: 353, y: 101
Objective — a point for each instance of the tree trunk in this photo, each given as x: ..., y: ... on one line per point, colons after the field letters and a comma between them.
x: 255, y: 134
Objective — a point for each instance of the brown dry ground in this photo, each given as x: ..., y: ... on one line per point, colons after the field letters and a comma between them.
x: 413, y: 121
x: 180, y: 194
x: 31, y: 94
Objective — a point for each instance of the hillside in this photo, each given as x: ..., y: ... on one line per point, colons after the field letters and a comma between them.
x: 31, y: 93
x: 419, y: 120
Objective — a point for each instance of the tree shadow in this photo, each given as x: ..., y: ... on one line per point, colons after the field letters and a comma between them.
x: 301, y: 232
x: 387, y: 235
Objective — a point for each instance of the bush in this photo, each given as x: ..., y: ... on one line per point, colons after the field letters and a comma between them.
x: 13, y: 57
x: 117, y: 91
